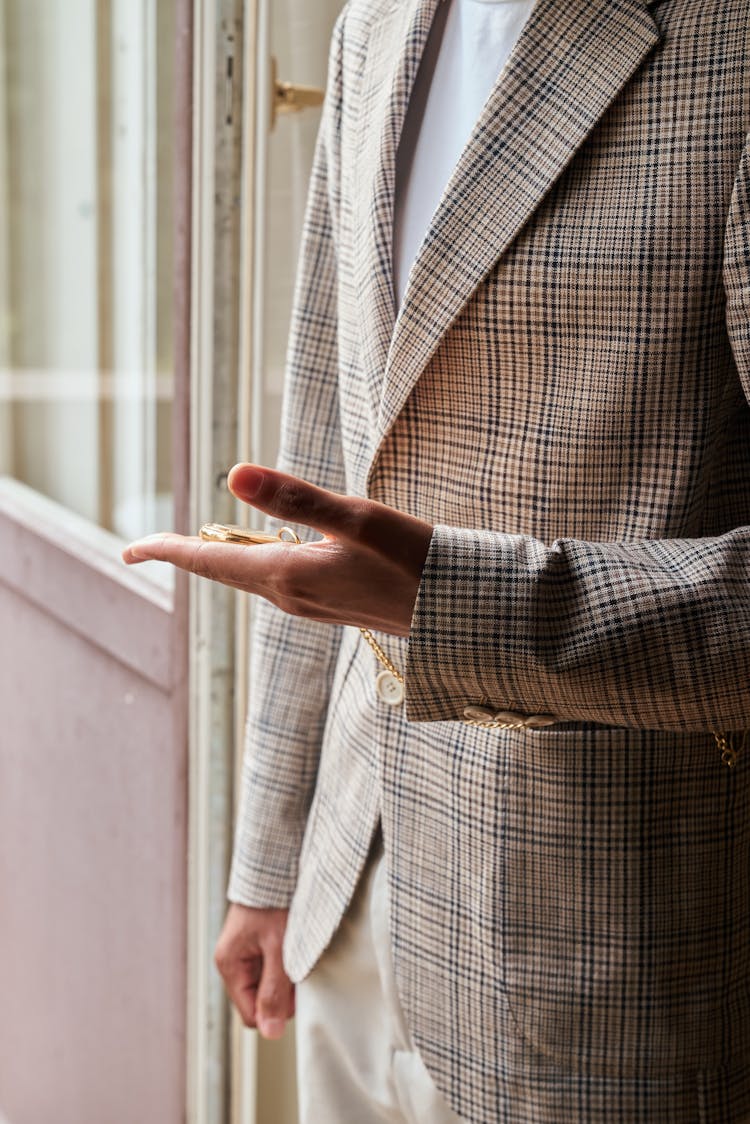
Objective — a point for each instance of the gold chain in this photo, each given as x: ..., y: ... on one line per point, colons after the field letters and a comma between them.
x: 731, y: 744
x: 381, y: 655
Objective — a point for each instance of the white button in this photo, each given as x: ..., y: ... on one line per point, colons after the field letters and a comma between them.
x: 389, y: 688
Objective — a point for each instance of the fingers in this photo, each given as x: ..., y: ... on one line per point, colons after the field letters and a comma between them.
x: 296, y: 501
x: 163, y: 547
x: 241, y: 979
x: 248, y: 956
x: 366, y: 546
x: 224, y: 562
x: 363, y: 522
x: 275, y: 999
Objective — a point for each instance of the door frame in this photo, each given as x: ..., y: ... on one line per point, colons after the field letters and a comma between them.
x: 216, y: 215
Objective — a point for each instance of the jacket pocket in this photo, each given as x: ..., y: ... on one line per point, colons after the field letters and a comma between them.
x: 622, y: 900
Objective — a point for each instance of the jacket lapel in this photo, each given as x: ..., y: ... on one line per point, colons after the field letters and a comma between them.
x: 569, y: 64
x: 393, y: 55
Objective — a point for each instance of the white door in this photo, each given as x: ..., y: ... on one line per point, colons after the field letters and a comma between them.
x: 149, y: 226
x: 94, y: 178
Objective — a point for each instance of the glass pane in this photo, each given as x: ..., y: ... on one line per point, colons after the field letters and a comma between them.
x: 86, y: 175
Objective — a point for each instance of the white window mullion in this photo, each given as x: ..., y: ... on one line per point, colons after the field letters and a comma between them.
x: 217, y: 123
x: 134, y: 187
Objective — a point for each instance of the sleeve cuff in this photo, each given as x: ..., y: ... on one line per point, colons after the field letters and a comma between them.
x: 461, y: 652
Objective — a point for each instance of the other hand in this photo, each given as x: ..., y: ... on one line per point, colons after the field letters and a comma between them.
x: 248, y: 956
x: 365, y: 571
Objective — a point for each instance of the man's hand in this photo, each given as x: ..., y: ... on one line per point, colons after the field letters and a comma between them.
x: 365, y: 571
x: 248, y: 956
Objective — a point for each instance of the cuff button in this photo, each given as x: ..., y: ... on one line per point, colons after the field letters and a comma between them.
x: 478, y: 714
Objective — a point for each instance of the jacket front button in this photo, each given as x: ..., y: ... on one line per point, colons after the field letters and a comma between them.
x: 389, y: 689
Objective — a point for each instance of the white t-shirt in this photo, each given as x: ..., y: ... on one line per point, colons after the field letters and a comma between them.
x: 467, y: 47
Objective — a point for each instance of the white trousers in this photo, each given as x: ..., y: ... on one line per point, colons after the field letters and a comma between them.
x: 356, y: 1063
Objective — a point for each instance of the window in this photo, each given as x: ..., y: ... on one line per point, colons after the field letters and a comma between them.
x: 86, y: 232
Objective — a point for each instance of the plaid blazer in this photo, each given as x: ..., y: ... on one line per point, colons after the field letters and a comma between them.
x: 564, y: 394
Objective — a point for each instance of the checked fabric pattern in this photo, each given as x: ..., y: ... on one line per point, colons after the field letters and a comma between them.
x: 564, y: 394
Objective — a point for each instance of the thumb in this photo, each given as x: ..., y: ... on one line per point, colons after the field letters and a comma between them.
x: 275, y: 1000
x: 292, y: 499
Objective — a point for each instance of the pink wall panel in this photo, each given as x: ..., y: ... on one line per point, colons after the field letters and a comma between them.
x: 92, y: 882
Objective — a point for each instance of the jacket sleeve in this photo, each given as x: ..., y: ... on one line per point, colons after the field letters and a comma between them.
x: 652, y: 634
x: 292, y: 660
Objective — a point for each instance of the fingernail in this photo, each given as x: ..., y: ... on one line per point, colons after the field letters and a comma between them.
x: 139, y: 549
x: 272, y: 1028
x: 250, y: 479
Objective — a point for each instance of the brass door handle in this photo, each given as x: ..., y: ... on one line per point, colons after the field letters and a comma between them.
x: 287, y: 97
